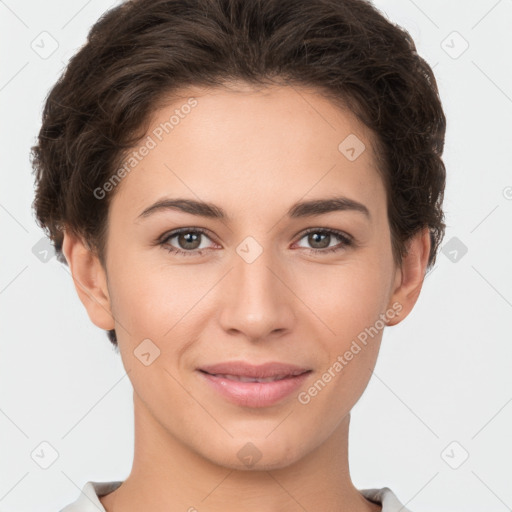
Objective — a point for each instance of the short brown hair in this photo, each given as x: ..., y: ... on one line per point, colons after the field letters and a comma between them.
x: 142, y: 51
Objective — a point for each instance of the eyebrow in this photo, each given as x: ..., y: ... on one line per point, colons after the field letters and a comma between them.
x: 298, y: 210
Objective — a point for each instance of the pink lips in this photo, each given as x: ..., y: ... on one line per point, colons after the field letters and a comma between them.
x: 280, y: 381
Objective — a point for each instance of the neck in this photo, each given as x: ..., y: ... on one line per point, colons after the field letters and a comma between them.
x: 168, y: 475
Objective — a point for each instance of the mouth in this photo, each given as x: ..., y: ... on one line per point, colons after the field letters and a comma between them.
x: 254, y: 386
x: 244, y: 378
x: 273, y: 369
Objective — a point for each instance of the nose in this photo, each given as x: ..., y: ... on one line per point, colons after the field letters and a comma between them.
x: 258, y: 301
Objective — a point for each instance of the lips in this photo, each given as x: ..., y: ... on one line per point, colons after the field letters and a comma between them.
x: 238, y: 370
x: 254, y: 386
x: 241, y: 378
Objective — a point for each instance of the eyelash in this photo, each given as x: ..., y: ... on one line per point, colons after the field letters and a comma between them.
x: 346, y: 241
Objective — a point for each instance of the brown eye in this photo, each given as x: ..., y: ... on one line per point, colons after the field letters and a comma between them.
x: 190, y: 241
x: 319, y: 240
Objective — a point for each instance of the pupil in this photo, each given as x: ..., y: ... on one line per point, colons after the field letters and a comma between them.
x: 189, y: 239
x: 315, y: 238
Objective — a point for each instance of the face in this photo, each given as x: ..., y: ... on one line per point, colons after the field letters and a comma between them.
x: 254, y: 278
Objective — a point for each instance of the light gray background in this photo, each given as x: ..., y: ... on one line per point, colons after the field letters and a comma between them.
x: 442, y: 388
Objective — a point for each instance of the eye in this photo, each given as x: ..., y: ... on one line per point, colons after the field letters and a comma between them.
x: 321, y: 240
x: 189, y: 241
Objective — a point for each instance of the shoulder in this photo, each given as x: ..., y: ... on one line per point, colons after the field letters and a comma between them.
x: 88, y: 500
x: 386, y: 498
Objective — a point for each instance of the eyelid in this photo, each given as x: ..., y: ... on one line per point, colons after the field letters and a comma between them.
x: 173, y: 232
x: 163, y: 240
x: 346, y: 240
x: 337, y: 232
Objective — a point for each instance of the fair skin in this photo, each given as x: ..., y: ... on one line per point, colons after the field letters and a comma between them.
x: 253, y: 153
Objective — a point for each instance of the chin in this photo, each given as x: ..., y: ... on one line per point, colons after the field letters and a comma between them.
x: 256, y: 454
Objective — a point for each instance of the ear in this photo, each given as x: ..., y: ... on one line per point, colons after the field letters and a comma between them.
x: 90, y: 280
x: 410, y: 276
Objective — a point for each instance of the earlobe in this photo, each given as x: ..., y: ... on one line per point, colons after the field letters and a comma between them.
x: 90, y: 280
x: 409, y: 278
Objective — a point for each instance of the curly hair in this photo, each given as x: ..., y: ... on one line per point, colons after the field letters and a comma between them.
x: 141, y: 52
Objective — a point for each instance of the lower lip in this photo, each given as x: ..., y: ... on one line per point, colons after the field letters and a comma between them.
x: 255, y: 394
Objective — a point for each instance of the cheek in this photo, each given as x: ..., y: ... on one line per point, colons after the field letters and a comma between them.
x: 148, y: 307
x: 347, y: 297
x: 353, y: 298
x: 148, y: 302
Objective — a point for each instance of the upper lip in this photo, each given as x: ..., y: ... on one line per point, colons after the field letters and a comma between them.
x: 243, y: 369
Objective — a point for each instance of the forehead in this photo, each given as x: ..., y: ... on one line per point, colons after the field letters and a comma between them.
x: 252, y: 146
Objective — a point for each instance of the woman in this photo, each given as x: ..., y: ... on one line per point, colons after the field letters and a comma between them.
x: 246, y: 194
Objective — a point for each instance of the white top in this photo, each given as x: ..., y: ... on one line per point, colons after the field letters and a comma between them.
x: 88, y: 500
